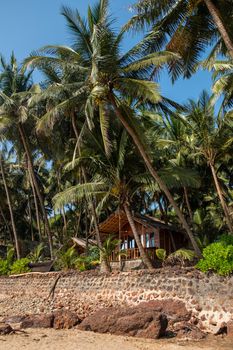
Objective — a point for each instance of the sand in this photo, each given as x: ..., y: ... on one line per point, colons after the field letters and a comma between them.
x: 50, y: 339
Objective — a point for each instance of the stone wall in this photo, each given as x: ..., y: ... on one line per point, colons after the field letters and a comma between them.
x: 126, y: 265
x: 209, y: 298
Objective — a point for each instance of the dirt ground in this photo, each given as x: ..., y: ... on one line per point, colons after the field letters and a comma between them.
x: 50, y: 339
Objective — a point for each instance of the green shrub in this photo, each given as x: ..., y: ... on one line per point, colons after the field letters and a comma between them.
x: 226, y: 239
x: 181, y: 257
x: 161, y: 254
x: 183, y: 254
x: 36, y: 255
x: 20, y: 266
x: 94, y: 253
x: 4, y: 267
x: 84, y: 263
x: 10, y: 255
x: 67, y: 259
x: 217, y: 257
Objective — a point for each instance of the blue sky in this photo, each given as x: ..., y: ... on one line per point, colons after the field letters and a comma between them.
x: 26, y: 25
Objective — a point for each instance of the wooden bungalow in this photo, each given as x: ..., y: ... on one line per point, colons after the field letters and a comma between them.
x: 153, y: 234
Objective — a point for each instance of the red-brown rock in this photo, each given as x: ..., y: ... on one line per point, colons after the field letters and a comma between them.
x: 37, y: 321
x: 134, y: 321
x: 175, y: 310
x: 65, y: 320
x: 188, y: 331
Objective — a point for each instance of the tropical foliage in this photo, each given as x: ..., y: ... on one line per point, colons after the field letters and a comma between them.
x: 217, y: 257
x: 96, y: 135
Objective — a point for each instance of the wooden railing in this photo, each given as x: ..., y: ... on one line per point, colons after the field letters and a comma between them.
x: 133, y: 253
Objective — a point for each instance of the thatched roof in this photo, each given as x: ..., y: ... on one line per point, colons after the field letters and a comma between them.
x: 81, y: 242
x: 119, y: 219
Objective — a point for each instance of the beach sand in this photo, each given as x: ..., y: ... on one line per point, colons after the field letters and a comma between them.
x: 50, y: 339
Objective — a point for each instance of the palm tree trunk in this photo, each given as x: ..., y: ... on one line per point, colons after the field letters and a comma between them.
x: 105, y: 265
x: 155, y: 175
x: 143, y: 254
x: 222, y: 201
x: 35, y: 182
x: 188, y: 203
x: 10, y: 209
x: 36, y: 205
x: 163, y: 214
x: 218, y: 21
x: 31, y: 220
x: 63, y: 213
x: 6, y: 224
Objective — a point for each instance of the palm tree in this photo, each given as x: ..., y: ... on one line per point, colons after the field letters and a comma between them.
x: 174, y: 139
x: 115, y: 179
x: 111, y: 82
x: 9, y: 202
x: 186, y: 27
x: 213, y: 140
x: 16, y: 91
x: 222, y: 80
x: 107, y: 181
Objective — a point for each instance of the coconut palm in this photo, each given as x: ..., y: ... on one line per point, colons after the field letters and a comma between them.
x: 113, y: 82
x: 187, y: 27
x: 212, y: 140
x: 115, y: 179
x: 10, y: 206
x: 174, y: 139
x: 222, y: 73
x: 16, y: 91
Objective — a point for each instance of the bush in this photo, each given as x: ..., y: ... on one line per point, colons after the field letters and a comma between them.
x: 226, y: 239
x: 67, y: 259
x: 36, y: 255
x: 161, y: 254
x: 20, y: 266
x: 180, y: 257
x: 84, y: 263
x: 94, y: 253
x: 217, y: 257
x: 4, y: 267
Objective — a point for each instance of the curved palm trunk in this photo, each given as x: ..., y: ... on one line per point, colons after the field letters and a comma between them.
x: 155, y: 175
x: 188, y: 204
x: 143, y: 254
x: 10, y: 210
x: 104, y: 263
x: 219, y: 24
x: 222, y: 201
x: 36, y: 205
x: 35, y: 182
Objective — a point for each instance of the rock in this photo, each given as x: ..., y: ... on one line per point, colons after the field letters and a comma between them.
x: 175, y: 310
x: 37, y: 321
x: 222, y: 329
x: 65, y: 319
x: 5, y: 328
x: 134, y: 321
x: 156, y: 328
x: 189, y: 332
x: 230, y: 329
x: 14, y: 321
